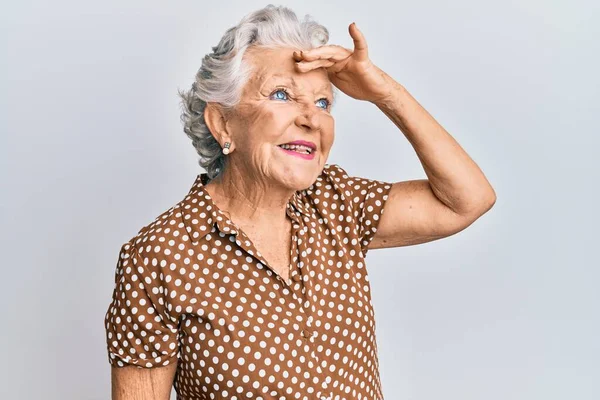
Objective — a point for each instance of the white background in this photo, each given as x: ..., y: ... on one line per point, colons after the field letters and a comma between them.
x: 92, y: 150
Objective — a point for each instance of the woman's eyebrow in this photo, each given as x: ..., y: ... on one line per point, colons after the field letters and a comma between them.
x: 278, y: 78
x: 294, y: 84
x: 270, y: 79
x: 326, y: 86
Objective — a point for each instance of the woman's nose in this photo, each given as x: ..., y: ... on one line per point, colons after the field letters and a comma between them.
x: 308, y: 117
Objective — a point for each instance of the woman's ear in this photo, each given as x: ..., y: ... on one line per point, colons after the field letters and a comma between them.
x: 215, y: 120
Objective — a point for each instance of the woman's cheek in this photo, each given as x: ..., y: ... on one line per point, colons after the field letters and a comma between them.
x: 328, y: 130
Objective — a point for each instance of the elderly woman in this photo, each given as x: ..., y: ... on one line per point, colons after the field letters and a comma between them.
x: 255, y: 284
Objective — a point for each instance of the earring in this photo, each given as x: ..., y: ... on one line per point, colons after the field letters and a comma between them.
x: 226, y: 149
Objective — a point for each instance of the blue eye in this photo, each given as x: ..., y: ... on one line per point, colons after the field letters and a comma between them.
x: 280, y: 91
x: 326, y: 104
x: 285, y: 96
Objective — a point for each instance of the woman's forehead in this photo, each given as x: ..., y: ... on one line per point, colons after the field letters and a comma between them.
x: 277, y: 74
x: 277, y: 65
x: 315, y: 82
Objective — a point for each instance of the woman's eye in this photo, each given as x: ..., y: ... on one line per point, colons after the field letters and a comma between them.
x: 282, y: 94
x: 282, y: 97
x: 325, y: 103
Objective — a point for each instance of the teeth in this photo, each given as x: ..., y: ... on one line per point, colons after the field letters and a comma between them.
x: 297, y: 147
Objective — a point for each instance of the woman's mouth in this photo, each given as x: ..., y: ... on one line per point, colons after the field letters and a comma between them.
x: 298, y: 150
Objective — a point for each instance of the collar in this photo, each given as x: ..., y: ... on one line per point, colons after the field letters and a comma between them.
x: 200, y: 214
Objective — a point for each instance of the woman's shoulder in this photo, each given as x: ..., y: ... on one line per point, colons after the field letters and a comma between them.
x: 352, y: 204
x: 159, y: 232
x: 338, y: 178
x: 167, y: 228
x: 332, y: 177
x: 335, y: 184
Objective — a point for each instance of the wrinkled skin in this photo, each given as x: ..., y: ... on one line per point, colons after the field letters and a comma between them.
x: 260, y: 177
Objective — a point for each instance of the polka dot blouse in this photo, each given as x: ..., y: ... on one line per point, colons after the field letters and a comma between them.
x: 191, y: 288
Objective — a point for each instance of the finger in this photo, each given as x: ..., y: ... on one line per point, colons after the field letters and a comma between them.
x: 361, y: 50
x: 329, y: 52
x: 306, y: 66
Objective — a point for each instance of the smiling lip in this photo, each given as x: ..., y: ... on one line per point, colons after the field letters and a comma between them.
x: 304, y: 143
x: 295, y: 153
x: 301, y: 155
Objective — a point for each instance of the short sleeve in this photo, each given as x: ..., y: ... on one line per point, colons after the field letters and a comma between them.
x: 366, y: 197
x: 139, y: 329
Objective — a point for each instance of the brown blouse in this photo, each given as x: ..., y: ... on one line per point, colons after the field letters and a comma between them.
x: 191, y: 288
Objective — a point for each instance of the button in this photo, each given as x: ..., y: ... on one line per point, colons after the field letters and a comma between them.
x: 306, y: 333
x: 297, y: 278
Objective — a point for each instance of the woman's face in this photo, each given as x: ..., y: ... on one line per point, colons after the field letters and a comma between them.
x: 280, y: 105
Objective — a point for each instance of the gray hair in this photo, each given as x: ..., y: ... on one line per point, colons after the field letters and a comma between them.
x: 223, y: 74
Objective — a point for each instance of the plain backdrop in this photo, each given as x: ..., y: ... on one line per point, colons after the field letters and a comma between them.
x: 93, y: 149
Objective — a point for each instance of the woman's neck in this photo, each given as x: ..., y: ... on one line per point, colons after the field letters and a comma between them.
x: 251, y: 202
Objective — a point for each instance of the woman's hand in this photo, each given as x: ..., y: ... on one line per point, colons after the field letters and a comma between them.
x: 350, y: 71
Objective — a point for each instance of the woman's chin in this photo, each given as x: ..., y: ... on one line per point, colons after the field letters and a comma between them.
x: 297, y: 178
